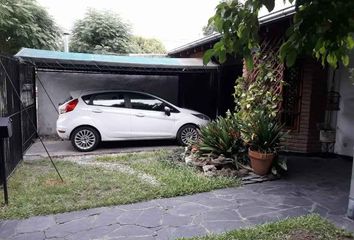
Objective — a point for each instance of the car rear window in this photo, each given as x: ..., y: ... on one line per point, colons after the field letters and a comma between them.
x: 112, y: 99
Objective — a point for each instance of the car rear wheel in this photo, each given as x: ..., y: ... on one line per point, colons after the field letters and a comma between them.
x: 186, y: 134
x: 85, y: 139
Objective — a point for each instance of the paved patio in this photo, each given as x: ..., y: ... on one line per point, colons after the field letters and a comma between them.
x: 313, y: 185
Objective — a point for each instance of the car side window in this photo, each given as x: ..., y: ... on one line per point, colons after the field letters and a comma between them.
x: 145, y: 102
x: 108, y: 100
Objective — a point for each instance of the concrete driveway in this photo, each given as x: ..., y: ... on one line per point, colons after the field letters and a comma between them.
x: 59, y: 149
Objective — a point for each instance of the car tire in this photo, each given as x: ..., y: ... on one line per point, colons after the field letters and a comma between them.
x: 187, y: 133
x: 85, y: 139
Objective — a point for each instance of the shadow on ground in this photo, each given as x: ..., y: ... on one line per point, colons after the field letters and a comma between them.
x: 58, y: 148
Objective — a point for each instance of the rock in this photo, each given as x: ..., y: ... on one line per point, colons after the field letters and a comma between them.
x: 243, y: 172
x: 188, y: 160
x: 227, y: 172
x: 199, y: 162
x: 221, y: 160
x: 209, y: 168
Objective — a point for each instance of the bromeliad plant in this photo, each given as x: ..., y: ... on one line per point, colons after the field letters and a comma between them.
x: 263, y: 133
x: 221, y: 136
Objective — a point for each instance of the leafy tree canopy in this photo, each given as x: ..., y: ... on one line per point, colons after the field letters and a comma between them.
x: 322, y: 28
x: 100, y: 32
x: 24, y: 23
x: 147, y: 45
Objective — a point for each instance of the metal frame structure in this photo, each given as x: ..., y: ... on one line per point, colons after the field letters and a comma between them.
x: 17, y: 95
x: 52, y: 61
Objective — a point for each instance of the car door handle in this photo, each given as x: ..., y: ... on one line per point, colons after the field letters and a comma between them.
x: 97, y: 110
x: 140, y: 115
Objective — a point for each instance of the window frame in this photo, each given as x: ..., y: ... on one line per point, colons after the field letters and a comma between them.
x: 296, y: 113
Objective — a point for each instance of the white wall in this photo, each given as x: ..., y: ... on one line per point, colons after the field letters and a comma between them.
x: 345, y: 116
x: 59, y: 84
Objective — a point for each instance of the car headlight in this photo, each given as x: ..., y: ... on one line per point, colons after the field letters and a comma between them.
x: 202, y: 116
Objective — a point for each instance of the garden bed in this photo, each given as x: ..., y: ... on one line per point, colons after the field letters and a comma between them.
x: 35, y: 189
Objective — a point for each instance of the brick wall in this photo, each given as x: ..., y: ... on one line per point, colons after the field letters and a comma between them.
x: 305, y: 139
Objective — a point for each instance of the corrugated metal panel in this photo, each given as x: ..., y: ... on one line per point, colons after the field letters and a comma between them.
x: 127, y: 61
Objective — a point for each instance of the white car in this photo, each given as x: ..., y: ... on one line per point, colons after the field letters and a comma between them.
x: 89, y: 117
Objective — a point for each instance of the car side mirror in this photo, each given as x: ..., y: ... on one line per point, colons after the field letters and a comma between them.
x: 167, y: 110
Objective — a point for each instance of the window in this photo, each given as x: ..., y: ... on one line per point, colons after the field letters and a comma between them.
x: 105, y: 99
x: 290, y: 114
x: 145, y: 102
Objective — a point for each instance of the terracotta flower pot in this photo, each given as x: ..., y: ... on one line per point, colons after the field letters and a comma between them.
x: 260, y: 162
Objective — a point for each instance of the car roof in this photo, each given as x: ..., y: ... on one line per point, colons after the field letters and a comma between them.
x: 80, y: 93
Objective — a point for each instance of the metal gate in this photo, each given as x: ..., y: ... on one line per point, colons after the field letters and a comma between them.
x: 17, y: 84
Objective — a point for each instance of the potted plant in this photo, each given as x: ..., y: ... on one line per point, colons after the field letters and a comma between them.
x: 263, y: 134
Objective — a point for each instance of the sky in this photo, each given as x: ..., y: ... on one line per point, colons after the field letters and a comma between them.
x: 174, y: 22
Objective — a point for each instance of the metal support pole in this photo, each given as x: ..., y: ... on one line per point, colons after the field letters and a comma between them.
x: 218, y: 91
x: 3, y: 171
x: 350, y: 212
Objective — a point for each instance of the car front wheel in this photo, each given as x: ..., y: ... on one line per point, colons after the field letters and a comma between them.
x: 186, y: 134
x: 85, y: 139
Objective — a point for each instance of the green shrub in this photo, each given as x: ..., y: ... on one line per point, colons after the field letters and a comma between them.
x: 257, y: 93
x: 221, y: 136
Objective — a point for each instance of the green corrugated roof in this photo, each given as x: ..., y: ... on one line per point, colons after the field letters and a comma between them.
x: 34, y: 54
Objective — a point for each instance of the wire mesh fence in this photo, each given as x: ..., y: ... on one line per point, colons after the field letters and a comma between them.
x: 17, y: 101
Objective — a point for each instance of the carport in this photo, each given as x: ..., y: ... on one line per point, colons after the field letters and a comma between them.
x: 185, y: 82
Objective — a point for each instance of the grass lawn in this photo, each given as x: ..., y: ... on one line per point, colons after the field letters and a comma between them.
x: 311, y: 227
x: 35, y: 189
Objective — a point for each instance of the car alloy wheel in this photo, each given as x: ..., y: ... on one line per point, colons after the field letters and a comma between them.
x: 85, y: 139
x: 187, y: 134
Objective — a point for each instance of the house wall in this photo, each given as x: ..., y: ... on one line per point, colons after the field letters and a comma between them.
x: 59, y: 84
x: 345, y: 116
x: 305, y: 138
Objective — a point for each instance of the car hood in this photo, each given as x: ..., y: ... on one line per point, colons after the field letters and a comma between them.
x: 185, y: 110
